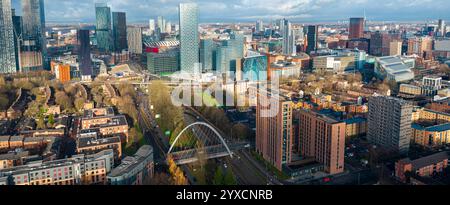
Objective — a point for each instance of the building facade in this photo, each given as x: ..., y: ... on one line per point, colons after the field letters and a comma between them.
x: 189, y: 40
x: 7, y: 51
x: 274, y: 132
x: 103, y: 27
x: 119, y: 31
x: 356, y: 29
x: 134, y: 39
x: 323, y: 138
x: 389, y: 123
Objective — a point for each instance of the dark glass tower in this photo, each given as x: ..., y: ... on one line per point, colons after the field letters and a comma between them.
x: 313, y: 38
x: 119, y: 31
x: 84, y: 55
x: 103, y: 27
x: 34, y: 42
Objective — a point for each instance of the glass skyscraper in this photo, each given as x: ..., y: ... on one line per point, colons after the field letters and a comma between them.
x: 103, y: 27
x: 7, y: 55
x: 207, y: 47
x: 84, y: 55
x: 313, y: 38
x: 119, y: 31
x: 189, y: 41
x: 254, y: 68
x: 288, y: 38
x: 34, y: 48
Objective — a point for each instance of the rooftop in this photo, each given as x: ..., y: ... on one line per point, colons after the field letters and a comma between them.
x: 88, y: 142
x: 130, y: 163
x: 428, y: 160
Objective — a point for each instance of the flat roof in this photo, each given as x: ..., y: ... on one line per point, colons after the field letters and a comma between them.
x: 88, y: 142
x: 130, y: 163
x: 14, y: 155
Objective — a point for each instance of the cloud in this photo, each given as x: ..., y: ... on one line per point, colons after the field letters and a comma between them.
x: 250, y: 10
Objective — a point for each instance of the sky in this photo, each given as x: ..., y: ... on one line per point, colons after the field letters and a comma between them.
x: 251, y: 10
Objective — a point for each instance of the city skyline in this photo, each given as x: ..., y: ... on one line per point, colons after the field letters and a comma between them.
x: 251, y: 10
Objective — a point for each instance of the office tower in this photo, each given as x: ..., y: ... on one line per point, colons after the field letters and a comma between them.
x: 380, y: 43
x: 274, y: 132
x: 160, y: 24
x: 84, y: 55
x: 259, y: 26
x: 441, y: 28
x: 189, y: 41
x: 163, y: 63
x: 152, y: 26
x: 207, y: 47
x: 168, y: 28
x: 356, y: 29
x: 418, y: 45
x: 389, y: 123
x: 7, y: 54
x: 255, y: 68
x: 322, y: 138
x: 17, y: 24
x: 103, y: 28
x: 34, y: 50
x: 313, y: 38
x: 119, y: 31
x: 395, y: 48
x: 288, y: 38
x: 134, y: 36
x: 223, y: 59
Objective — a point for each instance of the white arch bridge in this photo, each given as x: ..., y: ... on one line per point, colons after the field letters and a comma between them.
x: 203, y: 142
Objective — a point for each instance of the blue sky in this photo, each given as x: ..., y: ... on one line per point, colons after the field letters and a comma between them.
x: 250, y: 10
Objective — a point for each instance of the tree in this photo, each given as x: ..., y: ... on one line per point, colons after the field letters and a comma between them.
x: 240, y: 131
x: 444, y: 68
x: 218, y: 177
x: 4, y: 102
x: 63, y: 100
x: 229, y: 178
x: 79, y: 104
x: 40, y: 123
x: 51, y: 120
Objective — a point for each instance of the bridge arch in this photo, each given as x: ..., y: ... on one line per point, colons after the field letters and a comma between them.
x: 206, y: 125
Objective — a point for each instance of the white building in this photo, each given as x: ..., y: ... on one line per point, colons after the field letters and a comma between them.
x: 395, y: 68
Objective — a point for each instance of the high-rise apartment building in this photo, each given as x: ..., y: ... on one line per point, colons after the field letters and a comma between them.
x: 7, y: 54
x: 274, y: 132
x: 323, y: 138
x: 418, y: 45
x: 103, y: 27
x: 189, y: 40
x: 389, y: 123
x: 119, y: 31
x: 34, y: 50
x: 441, y: 30
x: 134, y: 38
x: 312, y: 38
x: 356, y: 29
x: 259, y: 26
x: 289, y: 47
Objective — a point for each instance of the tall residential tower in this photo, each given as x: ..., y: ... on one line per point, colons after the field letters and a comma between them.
x: 189, y: 40
x: 7, y: 54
